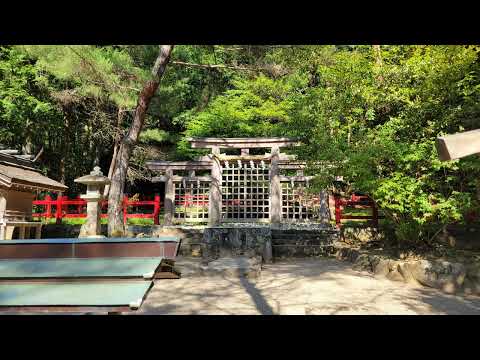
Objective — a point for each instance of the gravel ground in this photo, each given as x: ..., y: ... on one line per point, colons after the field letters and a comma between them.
x: 301, y: 287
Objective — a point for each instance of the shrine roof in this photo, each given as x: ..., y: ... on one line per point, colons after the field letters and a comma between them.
x: 18, y: 171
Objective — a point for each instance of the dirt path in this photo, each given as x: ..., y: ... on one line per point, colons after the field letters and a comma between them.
x: 317, y: 286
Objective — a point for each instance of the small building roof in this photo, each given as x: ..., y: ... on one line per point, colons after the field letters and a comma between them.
x: 18, y: 172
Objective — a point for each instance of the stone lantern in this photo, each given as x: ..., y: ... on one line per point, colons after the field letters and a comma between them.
x: 95, y: 182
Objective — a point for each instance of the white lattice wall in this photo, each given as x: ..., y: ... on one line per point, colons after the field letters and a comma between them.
x: 191, y: 201
x: 245, y: 191
x: 298, y: 204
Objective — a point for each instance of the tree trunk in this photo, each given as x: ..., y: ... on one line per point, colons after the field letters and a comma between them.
x: 378, y: 55
x: 64, y: 146
x: 378, y: 60
x: 116, y: 145
x: 27, y: 148
x: 115, y: 197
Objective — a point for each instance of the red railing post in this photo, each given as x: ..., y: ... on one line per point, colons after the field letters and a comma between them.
x: 338, y: 210
x: 58, y: 213
x: 48, y: 209
x: 156, y: 209
x: 125, y: 209
x: 62, y: 204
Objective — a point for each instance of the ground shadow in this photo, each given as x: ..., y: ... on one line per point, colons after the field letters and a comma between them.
x: 260, y: 303
x: 303, y: 285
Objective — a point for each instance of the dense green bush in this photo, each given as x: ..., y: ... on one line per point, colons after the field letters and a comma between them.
x: 373, y: 118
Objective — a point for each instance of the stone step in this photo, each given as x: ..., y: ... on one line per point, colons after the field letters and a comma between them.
x: 284, y: 251
x: 288, y: 237
x: 302, y: 242
x: 307, y: 237
x: 304, y: 232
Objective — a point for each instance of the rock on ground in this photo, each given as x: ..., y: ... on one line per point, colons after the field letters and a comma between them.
x: 437, y: 274
x: 447, y: 276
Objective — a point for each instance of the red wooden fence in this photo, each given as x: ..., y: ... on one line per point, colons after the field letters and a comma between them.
x: 63, y: 202
x: 355, y: 202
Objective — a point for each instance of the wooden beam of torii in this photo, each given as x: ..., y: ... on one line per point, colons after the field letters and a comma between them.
x: 458, y: 145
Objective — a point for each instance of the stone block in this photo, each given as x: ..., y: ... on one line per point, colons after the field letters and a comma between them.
x: 363, y: 263
x: 381, y: 267
x: 471, y: 286
x: 437, y: 274
x: 360, y: 234
x: 395, y: 276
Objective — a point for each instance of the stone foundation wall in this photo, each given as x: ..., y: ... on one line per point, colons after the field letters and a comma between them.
x: 281, y: 241
x: 237, y: 241
x: 461, y: 237
x: 229, y: 239
x: 303, y: 243
x: 360, y: 234
x: 191, y: 238
x: 450, y: 277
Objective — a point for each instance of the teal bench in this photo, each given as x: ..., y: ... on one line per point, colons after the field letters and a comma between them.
x: 166, y: 247
x: 109, y: 297
x: 74, y: 268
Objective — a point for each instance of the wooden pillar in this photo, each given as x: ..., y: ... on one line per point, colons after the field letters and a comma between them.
x: 275, y: 188
x: 48, y: 211
x: 9, y: 232
x: 21, y: 232
x: 215, y: 196
x: 3, y: 208
x: 169, y: 198
x: 324, y: 207
x: 125, y: 209
x: 38, y: 231
x: 3, y: 203
x: 59, y: 206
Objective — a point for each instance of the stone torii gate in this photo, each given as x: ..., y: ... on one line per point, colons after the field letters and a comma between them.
x: 241, y: 187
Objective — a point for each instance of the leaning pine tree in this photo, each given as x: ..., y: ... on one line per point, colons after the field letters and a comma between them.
x: 115, y: 196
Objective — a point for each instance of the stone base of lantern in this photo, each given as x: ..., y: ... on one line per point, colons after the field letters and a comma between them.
x: 92, y: 227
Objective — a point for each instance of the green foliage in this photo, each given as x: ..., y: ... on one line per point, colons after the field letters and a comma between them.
x: 371, y: 118
x: 258, y: 107
x: 368, y: 114
x: 381, y: 132
x: 154, y: 135
x: 23, y: 99
x: 94, y: 71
